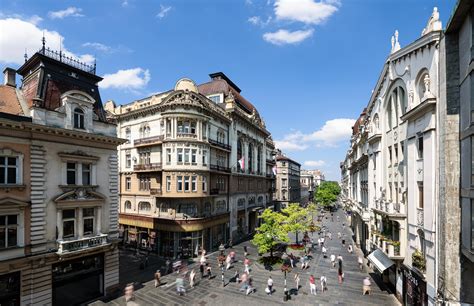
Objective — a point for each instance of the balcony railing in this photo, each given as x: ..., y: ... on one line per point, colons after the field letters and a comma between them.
x: 215, y: 191
x: 81, y: 244
x: 186, y: 135
x: 60, y: 56
x: 219, y: 168
x: 147, y: 167
x: 148, y: 140
x: 219, y: 144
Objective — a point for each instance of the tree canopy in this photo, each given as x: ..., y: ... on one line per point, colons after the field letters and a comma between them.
x: 271, y: 232
x: 327, y: 193
x: 296, y: 219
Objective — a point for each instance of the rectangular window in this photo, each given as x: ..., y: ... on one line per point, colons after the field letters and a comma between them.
x: 8, y: 231
x: 69, y: 223
x: 71, y: 173
x: 86, y: 174
x: 186, y: 183
x: 88, y: 220
x: 8, y: 170
x: 194, y: 183
x: 420, y: 146
x: 180, y: 183
x: 180, y: 155
x: 204, y: 157
x: 204, y: 183
x: 396, y: 192
x: 395, y: 149
x: 193, y: 156
x: 128, y: 160
x: 390, y: 192
x: 145, y: 183
x: 420, y: 196
x: 186, y: 155
x: 193, y: 127
x: 128, y: 183
x: 284, y: 183
x: 168, y: 183
x: 168, y: 156
x: 389, y: 156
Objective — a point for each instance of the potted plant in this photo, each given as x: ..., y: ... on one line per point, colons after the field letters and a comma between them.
x: 396, y: 247
x: 418, y: 260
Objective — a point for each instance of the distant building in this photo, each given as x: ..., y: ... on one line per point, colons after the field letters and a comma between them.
x: 288, y: 189
x: 58, y: 185
x: 307, y: 187
x: 196, y: 170
x: 318, y: 176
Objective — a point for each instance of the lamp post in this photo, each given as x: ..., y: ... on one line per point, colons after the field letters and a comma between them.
x: 221, y: 260
x: 285, y: 269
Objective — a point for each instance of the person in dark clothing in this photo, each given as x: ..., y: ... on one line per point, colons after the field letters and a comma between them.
x: 201, y: 269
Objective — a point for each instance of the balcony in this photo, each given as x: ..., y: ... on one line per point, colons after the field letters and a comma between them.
x: 186, y: 135
x: 390, y: 247
x: 216, y: 191
x: 219, y: 168
x: 390, y: 209
x: 155, y: 191
x: 219, y: 144
x: 81, y: 244
x: 271, y: 161
x: 147, y: 167
x: 148, y: 141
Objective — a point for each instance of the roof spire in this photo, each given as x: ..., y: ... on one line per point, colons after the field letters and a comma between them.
x: 43, y: 40
x: 25, y: 56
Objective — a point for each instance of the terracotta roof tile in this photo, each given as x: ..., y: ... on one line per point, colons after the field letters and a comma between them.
x: 9, y: 102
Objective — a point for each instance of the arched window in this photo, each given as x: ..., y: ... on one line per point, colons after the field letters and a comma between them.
x: 128, y: 205
x: 239, y: 156
x: 144, y: 207
x: 389, y: 114
x: 250, y: 166
x: 78, y: 118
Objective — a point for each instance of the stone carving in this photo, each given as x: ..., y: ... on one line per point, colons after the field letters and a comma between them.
x: 420, y: 217
x: 434, y: 24
x: 411, y: 99
x: 427, y: 83
x: 395, y: 43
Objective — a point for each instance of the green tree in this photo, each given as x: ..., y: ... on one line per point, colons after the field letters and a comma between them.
x: 327, y: 193
x: 296, y: 219
x: 312, y: 209
x: 270, y: 233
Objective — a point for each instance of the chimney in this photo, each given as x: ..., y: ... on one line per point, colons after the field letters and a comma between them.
x: 10, y: 77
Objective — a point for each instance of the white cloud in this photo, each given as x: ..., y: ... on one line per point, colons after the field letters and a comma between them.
x: 256, y: 20
x: 97, y: 46
x: 314, y: 163
x: 283, y: 37
x: 331, y: 134
x: 164, y: 10
x: 306, y: 11
x: 70, y: 11
x: 131, y: 79
x: 19, y: 35
x: 35, y: 19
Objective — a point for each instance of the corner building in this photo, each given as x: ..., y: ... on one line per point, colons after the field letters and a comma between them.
x: 196, y: 169
x: 58, y: 185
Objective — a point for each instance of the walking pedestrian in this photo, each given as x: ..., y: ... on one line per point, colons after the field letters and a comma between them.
x: 245, y: 251
x: 349, y: 248
x: 333, y: 260
x: 192, y: 275
x: 180, y: 286
x: 343, y: 241
x: 312, y: 285
x: 339, y: 235
x: 366, y: 287
x: 232, y: 256
x: 157, y: 278
x: 249, y: 286
x: 243, y: 281
x: 360, y: 260
x: 203, y: 259
x: 269, y: 285
x: 292, y: 260
x: 297, y: 281
x: 208, y: 270
x: 201, y: 269
x: 340, y: 275
x: 129, y: 293
x: 228, y: 261
x: 246, y: 265
x: 323, y: 281
x: 330, y: 235
x: 324, y: 251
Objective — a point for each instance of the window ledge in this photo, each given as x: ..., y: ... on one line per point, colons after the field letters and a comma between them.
x: 8, y: 187
x: 78, y: 186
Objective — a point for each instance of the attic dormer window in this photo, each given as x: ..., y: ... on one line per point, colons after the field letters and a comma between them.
x: 78, y: 118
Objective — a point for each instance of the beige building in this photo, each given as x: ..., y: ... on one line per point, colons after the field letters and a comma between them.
x: 58, y: 185
x: 288, y: 189
x: 307, y: 187
x: 194, y: 171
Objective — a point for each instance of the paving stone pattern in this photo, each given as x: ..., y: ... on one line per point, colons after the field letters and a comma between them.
x: 211, y: 292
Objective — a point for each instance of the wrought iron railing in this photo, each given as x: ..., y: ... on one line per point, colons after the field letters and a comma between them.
x: 219, y: 168
x: 219, y: 144
x: 68, y: 60
x: 150, y: 166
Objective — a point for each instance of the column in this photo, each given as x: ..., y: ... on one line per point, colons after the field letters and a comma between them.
x: 59, y: 223
x: 99, y: 220
x: 79, y: 225
x: 198, y: 130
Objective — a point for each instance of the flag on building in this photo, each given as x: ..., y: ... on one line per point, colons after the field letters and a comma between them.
x: 242, y: 163
x: 274, y: 169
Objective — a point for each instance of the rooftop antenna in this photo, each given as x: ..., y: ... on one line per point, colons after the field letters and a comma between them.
x: 43, y: 40
x: 26, y: 56
x: 60, y: 48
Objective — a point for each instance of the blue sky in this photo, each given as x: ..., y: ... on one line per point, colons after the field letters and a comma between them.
x: 309, y: 66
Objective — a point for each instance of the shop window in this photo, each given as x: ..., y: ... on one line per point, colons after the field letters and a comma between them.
x: 221, y: 206
x: 8, y: 231
x: 187, y: 209
x: 88, y: 217
x: 69, y: 223
x: 78, y: 118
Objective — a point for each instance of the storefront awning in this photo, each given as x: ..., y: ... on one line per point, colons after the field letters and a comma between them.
x: 380, y: 260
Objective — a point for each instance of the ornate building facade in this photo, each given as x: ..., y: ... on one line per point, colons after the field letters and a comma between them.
x: 58, y: 185
x: 196, y: 168
x: 390, y: 174
x: 288, y: 185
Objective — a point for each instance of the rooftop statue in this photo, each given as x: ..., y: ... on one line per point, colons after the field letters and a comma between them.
x: 434, y: 24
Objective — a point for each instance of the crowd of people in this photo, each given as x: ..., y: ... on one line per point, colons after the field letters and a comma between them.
x: 245, y: 280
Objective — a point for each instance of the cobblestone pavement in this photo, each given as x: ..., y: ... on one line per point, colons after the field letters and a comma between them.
x: 211, y: 292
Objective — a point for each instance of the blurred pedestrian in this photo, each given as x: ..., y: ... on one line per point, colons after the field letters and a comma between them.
x: 270, y: 285
x: 246, y: 265
x: 323, y: 282
x: 297, y: 281
x: 245, y: 251
x: 361, y: 262
x: 180, y: 285
x: 228, y: 262
x: 340, y: 275
x: 208, y: 270
x: 312, y: 285
x: 366, y: 287
x: 157, y: 278
x: 333, y: 260
x: 192, y: 275
x: 201, y: 269
x: 129, y: 292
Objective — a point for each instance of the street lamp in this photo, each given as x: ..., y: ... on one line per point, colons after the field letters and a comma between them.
x: 221, y: 260
x: 285, y: 269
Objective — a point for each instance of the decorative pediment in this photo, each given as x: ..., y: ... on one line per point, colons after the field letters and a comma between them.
x: 12, y: 203
x: 80, y: 194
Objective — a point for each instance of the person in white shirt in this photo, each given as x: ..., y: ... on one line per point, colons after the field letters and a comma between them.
x: 323, y: 281
x: 361, y: 262
x: 366, y: 288
x: 333, y: 260
x: 270, y: 285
